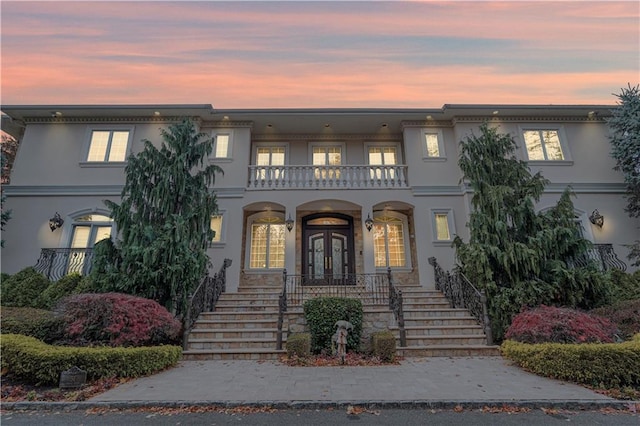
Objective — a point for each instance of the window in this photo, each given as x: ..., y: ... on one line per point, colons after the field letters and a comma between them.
x: 432, y: 145
x: 327, y: 156
x: 87, y: 230
x: 442, y: 225
x: 221, y: 146
x: 389, y: 240
x: 543, y: 145
x: 108, y: 146
x: 266, y: 158
x: 267, y: 246
x: 216, y: 227
x: 382, y: 156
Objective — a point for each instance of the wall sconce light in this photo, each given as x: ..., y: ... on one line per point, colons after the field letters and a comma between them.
x: 289, y: 223
x: 55, y: 222
x: 596, y: 218
x: 368, y: 223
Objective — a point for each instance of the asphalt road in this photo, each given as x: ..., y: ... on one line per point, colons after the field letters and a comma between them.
x: 318, y: 417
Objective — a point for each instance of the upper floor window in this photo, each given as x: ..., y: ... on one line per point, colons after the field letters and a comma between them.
x: 326, y: 156
x: 222, y: 145
x: 432, y: 145
x: 381, y: 155
x: 268, y: 156
x: 108, y: 145
x: 543, y: 145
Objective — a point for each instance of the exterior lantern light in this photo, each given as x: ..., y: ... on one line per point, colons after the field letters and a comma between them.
x: 55, y: 222
x: 289, y: 223
x: 596, y: 218
x: 368, y: 223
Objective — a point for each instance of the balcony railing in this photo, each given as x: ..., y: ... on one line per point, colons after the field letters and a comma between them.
x: 55, y: 263
x: 604, y: 256
x: 327, y: 177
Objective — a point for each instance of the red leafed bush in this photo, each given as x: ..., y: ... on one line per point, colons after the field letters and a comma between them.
x: 116, y: 319
x: 547, y: 324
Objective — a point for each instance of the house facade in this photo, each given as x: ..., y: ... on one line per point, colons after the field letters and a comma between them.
x: 322, y: 193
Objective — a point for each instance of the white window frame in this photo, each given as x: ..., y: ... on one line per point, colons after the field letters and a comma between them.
x: 425, y: 152
x: 368, y: 145
x: 313, y: 145
x: 221, y: 239
x: 564, y: 146
x: 214, y: 136
x: 106, y: 163
x: 406, y: 237
x: 248, y: 236
x: 450, y: 224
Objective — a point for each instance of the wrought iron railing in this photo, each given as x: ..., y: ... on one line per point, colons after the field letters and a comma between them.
x: 603, y: 255
x: 462, y: 294
x: 204, y: 298
x: 55, y: 263
x: 371, y: 289
x: 327, y: 177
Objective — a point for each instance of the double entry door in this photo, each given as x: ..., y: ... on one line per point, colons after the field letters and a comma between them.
x: 328, y: 251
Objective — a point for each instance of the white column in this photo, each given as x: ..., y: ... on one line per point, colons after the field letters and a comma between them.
x: 290, y: 242
x: 367, y: 242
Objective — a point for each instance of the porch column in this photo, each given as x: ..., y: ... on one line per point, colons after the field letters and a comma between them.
x: 290, y: 242
x: 367, y: 242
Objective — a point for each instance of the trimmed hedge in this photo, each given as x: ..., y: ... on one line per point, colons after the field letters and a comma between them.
x: 38, y: 363
x: 59, y: 289
x: 38, y: 323
x: 24, y: 288
x: 299, y: 344
x: 384, y: 345
x: 608, y: 365
x: 321, y: 315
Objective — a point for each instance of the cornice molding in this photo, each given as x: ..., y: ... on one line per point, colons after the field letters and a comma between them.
x: 92, y: 191
x: 426, y: 123
x: 226, y: 124
x: 527, y: 119
x: 262, y: 137
x: 107, y: 119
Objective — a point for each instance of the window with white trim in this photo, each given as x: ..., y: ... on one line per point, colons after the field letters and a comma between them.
x: 390, y: 242
x: 87, y: 231
x: 267, y: 158
x: 107, y: 146
x: 329, y: 156
x: 267, y: 241
x: 216, y: 227
x: 432, y: 144
x: 442, y: 225
x: 543, y: 145
x: 382, y: 155
x: 222, y: 144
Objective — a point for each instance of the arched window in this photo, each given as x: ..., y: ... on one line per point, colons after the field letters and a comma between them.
x: 267, y: 241
x: 390, y: 242
x: 87, y: 230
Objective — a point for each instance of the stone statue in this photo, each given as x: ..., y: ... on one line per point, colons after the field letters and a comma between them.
x: 339, y: 339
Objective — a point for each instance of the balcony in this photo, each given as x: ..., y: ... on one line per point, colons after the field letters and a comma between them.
x: 604, y: 256
x: 327, y: 177
x: 55, y: 263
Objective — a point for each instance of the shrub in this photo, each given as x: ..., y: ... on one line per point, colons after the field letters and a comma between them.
x: 85, y: 285
x: 299, y: 344
x: 321, y: 315
x: 625, y: 286
x: 59, y: 289
x: 24, y: 288
x: 625, y: 314
x: 116, y: 319
x: 38, y: 363
x: 547, y: 324
x: 38, y: 323
x: 601, y: 365
x: 384, y: 345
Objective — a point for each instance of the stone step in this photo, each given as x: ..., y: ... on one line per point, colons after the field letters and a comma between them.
x: 440, y: 321
x: 245, y: 308
x: 431, y: 313
x: 233, y: 315
x: 231, y: 354
x: 423, y: 298
x: 448, y: 351
x: 441, y: 330
x: 248, y: 324
x: 254, y: 295
x: 239, y: 343
x: 271, y: 303
x: 456, y: 339
x: 425, y: 306
x: 233, y: 333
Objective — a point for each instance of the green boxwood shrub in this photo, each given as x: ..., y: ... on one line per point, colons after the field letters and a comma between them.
x: 608, y: 365
x: 299, y: 344
x: 625, y: 314
x: 36, y: 362
x: 24, y: 288
x: 383, y: 344
x: 625, y: 286
x: 321, y: 315
x: 59, y: 289
x: 38, y: 323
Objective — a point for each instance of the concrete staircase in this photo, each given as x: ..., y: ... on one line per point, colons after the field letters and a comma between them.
x: 244, y: 326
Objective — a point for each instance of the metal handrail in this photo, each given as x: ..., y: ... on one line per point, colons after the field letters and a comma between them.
x: 204, y: 298
x: 55, y: 263
x: 282, y: 308
x: 396, y: 305
x: 461, y: 293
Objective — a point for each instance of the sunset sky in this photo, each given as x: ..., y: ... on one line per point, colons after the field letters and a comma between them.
x: 393, y: 54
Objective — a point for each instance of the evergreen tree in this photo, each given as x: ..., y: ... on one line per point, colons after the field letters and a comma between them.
x: 5, y: 214
x: 163, y: 219
x: 519, y: 257
x: 624, y: 127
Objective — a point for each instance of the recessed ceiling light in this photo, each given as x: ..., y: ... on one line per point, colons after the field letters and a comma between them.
x: 496, y: 112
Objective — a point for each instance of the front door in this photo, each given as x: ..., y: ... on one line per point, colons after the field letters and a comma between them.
x: 328, y: 250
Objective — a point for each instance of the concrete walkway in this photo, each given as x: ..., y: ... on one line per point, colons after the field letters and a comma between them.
x: 421, y: 381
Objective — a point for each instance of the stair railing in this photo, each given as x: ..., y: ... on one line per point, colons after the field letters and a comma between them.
x: 395, y: 304
x: 204, y: 298
x: 282, y: 308
x: 462, y: 294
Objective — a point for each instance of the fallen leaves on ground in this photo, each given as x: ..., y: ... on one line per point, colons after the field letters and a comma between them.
x: 13, y: 391
x: 169, y: 411
x: 511, y: 409
x: 355, y: 410
x: 351, y: 360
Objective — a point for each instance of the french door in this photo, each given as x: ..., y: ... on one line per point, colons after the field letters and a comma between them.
x: 328, y: 251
